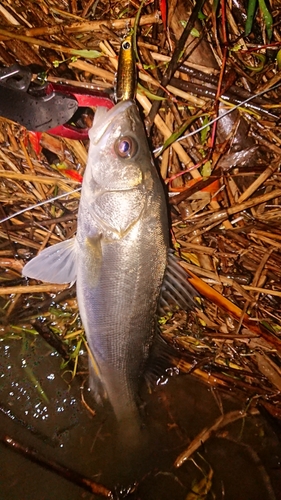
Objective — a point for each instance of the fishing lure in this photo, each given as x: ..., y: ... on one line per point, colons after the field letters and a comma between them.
x: 126, y: 74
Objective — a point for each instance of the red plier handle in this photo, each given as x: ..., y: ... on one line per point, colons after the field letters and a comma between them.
x: 85, y: 98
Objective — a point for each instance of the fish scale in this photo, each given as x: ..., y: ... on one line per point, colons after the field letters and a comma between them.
x: 125, y: 301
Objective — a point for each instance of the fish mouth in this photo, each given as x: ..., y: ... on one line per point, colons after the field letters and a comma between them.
x: 104, y: 117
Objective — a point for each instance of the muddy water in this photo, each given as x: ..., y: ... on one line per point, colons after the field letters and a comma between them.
x: 245, y: 458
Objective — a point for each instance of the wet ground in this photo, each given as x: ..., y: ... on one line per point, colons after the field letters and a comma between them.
x: 243, y: 461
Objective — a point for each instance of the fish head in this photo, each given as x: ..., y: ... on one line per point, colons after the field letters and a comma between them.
x: 118, y: 150
x: 120, y: 173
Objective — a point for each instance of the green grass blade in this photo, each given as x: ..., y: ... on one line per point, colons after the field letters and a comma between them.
x: 250, y: 16
x: 267, y: 18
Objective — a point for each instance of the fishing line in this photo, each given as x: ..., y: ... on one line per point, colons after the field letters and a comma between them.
x: 155, y: 150
x: 50, y: 200
x: 223, y: 115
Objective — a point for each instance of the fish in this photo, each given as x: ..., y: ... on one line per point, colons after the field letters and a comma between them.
x: 120, y: 258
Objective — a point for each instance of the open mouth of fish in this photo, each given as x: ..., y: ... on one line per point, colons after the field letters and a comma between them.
x: 106, y: 117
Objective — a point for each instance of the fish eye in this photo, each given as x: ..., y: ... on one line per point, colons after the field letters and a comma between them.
x: 126, y: 45
x: 126, y: 147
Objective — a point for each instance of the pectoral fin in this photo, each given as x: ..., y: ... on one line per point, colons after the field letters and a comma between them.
x: 55, y: 264
x: 176, y: 289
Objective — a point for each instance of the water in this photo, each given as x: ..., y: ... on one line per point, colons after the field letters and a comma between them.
x: 245, y: 457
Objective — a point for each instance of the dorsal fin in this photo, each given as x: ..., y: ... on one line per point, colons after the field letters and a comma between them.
x: 176, y: 289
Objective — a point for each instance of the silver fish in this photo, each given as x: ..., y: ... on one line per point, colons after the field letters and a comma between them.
x: 119, y: 257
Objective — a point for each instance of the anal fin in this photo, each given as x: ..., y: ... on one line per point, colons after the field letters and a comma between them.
x: 176, y: 292
x: 158, y: 366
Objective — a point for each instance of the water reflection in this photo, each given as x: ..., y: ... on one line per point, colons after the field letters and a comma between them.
x: 42, y: 409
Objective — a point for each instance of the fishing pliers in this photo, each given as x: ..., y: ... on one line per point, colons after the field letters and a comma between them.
x: 56, y: 108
